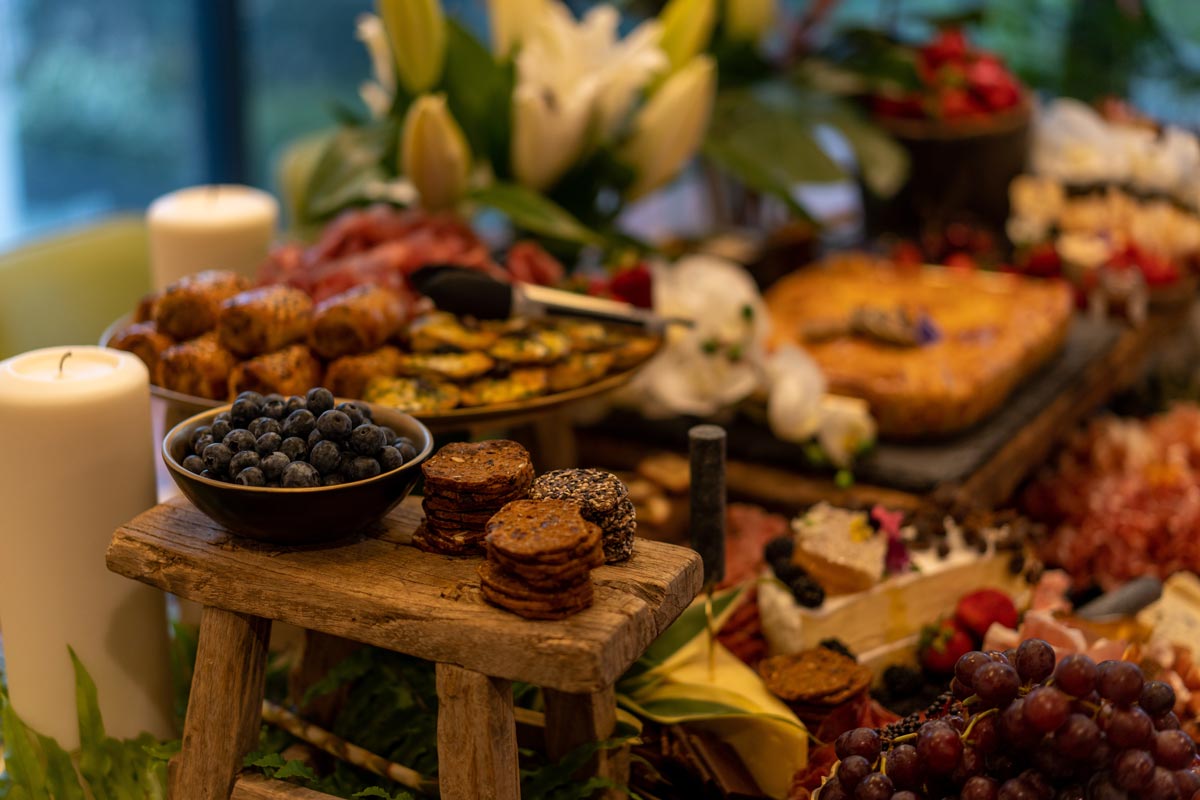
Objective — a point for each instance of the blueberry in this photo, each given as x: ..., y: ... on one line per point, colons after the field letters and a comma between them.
x: 273, y: 484
x: 362, y: 468
x: 251, y: 476
x: 294, y: 448
x: 264, y: 425
x: 253, y: 397
x: 314, y: 437
x: 217, y: 457
x: 367, y: 439
x: 273, y: 397
x: 300, y: 475
x: 299, y: 423
x: 243, y: 460
x: 407, y: 449
x: 275, y: 409
x: 335, y: 425
x: 345, y: 462
x: 212, y: 476
x: 239, y: 439
x: 203, y: 430
x: 273, y: 465
x: 201, y: 443
x: 389, y: 435
x: 194, y: 464
x: 365, y: 409
x: 319, y: 400
x: 390, y: 458
x: 244, y: 412
x: 353, y: 412
x: 293, y: 403
x: 325, y: 457
x: 334, y: 479
x: 221, y: 427
x: 268, y: 443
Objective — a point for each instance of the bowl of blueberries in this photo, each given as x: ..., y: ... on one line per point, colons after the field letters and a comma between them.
x: 297, y: 470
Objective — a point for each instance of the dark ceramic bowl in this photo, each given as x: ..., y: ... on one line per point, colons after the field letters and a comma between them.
x: 298, y: 516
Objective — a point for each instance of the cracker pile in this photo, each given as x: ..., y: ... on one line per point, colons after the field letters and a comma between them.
x: 814, y: 682
x: 540, y: 557
x: 465, y: 484
x: 603, y: 499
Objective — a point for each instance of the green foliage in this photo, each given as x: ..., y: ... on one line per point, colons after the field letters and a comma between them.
x: 556, y: 781
x: 534, y: 212
x: 104, y: 769
x: 478, y: 90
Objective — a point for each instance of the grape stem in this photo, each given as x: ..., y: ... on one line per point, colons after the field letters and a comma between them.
x: 982, y: 715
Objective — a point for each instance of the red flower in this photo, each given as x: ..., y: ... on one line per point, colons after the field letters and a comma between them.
x: 633, y: 286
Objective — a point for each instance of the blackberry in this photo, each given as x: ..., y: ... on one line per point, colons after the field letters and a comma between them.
x: 807, y: 592
x: 901, y: 681
x: 1016, y: 564
x: 838, y: 646
x: 788, y: 572
x: 779, y: 549
x: 902, y: 727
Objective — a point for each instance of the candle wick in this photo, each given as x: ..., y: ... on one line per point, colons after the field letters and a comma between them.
x: 62, y: 361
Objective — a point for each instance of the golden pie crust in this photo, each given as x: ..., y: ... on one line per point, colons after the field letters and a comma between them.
x: 996, y: 330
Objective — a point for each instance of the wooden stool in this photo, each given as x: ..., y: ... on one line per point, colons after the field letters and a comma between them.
x: 382, y: 592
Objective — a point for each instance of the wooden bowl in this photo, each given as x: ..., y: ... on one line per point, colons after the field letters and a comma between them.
x: 298, y: 516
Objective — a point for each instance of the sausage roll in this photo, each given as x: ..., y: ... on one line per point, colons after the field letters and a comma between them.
x: 348, y: 376
x: 290, y: 371
x: 263, y: 320
x: 189, y: 307
x: 198, y: 367
x: 144, y: 341
x: 356, y: 321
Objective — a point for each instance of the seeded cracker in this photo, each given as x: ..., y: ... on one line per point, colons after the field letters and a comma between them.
x: 603, y: 499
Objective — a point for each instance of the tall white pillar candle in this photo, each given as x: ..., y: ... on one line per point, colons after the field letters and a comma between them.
x: 210, y: 227
x: 76, y: 462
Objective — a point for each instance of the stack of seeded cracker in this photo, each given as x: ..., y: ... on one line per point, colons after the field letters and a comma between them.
x: 465, y: 484
x: 540, y: 558
x: 602, y: 498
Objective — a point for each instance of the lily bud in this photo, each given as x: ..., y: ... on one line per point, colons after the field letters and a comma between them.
x: 417, y: 30
x: 434, y: 153
x: 511, y: 21
x: 669, y: 129
x: 549, y: 133
x: 846, y: 428
x: 748, y: 20
x: 687, y: 27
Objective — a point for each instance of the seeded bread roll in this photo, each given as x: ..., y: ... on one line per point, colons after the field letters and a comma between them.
x: 348, y: 376
x: 290, y: 371
x: 197, y: 367
x: 264, y: 320
x: 189, y: 307
x: 144, y: 341
x: 357, y: 321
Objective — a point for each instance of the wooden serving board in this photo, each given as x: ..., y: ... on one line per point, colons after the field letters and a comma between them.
x: 911, y: 467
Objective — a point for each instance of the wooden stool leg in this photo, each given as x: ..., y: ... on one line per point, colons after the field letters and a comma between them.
x: 576, y: 719
x: 477, y: 736
x: 225, y: 707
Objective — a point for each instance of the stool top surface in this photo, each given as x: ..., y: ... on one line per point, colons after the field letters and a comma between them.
x: 380, y: 590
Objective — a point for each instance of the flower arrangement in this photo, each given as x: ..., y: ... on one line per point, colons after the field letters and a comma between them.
x: 559, y: 124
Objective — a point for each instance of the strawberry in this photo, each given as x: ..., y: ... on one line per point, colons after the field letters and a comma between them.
x: 941, y: 645
x: 950, y: 45
x: 978, y: 610
x: 633, y: 286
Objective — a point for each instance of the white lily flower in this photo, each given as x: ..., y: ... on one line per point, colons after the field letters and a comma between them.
x: 846, y: 428
x: 377, y: 95
x: 797, y: 387
x: 434, y: 153
x: 669, y: 129
x: 511, y: 21
x: 575, y: 78
x: 417, y: 31
x: 687, y: 29
x: 748, y: 20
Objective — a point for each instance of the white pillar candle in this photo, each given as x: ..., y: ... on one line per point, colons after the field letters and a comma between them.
x: 77, y: 461
x: 210, y: 227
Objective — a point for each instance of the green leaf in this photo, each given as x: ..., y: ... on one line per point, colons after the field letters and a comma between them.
x: 882, y: 162
x: 347, y: 671
x: 535, y: 213
x: 94, y: 758
x: 271, y: 761
x: 25, y: 769
x: 558, y: 780
x: 691, y: 623
x: 353, y: 160
x: 296, y: 769
x: 479, y: 93
x: 60, y: 772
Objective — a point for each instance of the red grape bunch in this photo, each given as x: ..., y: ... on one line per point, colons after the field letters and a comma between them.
x: 1019, y: 727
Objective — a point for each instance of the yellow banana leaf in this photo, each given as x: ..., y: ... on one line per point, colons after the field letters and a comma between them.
x: 719, y: 695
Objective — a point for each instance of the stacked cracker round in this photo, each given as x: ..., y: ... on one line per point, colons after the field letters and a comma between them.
x: 540, y: 558
x: 603, y: 500
x: 465, y: 484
